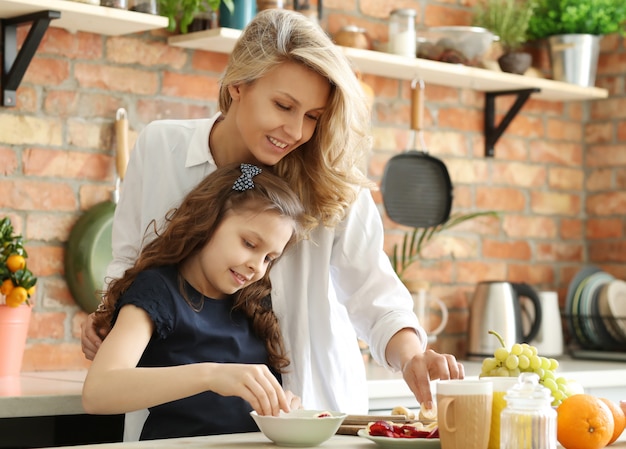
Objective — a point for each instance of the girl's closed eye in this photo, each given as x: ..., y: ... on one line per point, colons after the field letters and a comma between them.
x: 248, y: 244
x: 282, y: 106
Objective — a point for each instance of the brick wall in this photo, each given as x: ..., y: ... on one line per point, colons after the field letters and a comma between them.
x: 557, y: 178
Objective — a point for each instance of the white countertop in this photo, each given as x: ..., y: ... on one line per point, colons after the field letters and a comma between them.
x: 59, y: 392
x: 254, y: 440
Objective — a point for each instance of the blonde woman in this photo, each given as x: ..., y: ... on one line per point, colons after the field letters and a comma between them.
x: 289, y: 99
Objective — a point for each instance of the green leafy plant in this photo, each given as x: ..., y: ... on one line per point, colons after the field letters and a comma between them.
x: 180, y: 13
x: 599, y: 17
x: 414, y: 241
x: 17, y: 282
x: 508, y: 19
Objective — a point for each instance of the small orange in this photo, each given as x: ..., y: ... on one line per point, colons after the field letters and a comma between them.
x: 619, y: 419
x: 16, y: 262
x: 583, y: 422
x: 17, y: 296
x: 31, y: 291
x: 6, y: 287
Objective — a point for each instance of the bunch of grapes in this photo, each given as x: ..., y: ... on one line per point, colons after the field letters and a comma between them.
x: 523, y: 358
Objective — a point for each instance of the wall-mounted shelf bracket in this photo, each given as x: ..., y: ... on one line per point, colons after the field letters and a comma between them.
x: 14, y: 63
x: 493, y: 132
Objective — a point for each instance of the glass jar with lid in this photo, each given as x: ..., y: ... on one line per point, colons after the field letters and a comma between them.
x: 352, y: 36
x: 402, y: 36
x: 528, y: 421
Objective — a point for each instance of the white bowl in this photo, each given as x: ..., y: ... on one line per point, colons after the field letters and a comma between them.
x: 299, y: 428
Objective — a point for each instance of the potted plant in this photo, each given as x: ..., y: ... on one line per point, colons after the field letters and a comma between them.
x: 181, y: 13
x: 573, y: 28
x: 16, y: 288
x: 414, y: 241
x: 507, y: 19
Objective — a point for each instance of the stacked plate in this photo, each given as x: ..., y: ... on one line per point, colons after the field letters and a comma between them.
x: 595, y: 309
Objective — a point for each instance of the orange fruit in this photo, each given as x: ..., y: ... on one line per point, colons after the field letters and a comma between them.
x: 6, y: 287
x: 31, y: 291
x: 17, y: 296
x: 16, y: 262
x: 619, y: 419
x: 583, y: 422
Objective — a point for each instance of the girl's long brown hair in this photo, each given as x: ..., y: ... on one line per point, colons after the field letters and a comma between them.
x: 190, y: 226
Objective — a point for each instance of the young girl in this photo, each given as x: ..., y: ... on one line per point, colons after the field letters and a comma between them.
x: 289, y: 98
x: 194, y: 338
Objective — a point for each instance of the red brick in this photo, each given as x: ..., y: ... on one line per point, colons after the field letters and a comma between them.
x: 604, y: 228
x: 517, y: 174
x: 65, y: 164
x: 61, y: 102
x: 599, y: 132
x: 44, y: 326
x: 564, y: 130
x: 466, y: 171
x: 516, y: 250
x: 599, y: 179
x: 571, y: 229
x: 609, y: 109
x: 460, y: 119
x: 190, y: 86
x: 45, y: 260
x: 54, y: 357
x: 59, y: 42
x: 605, y: 155
x: 553, y: 203
x: 27, y: 99
x: 49, y: 72
x: 534, y: 274
x: 607, y: 251
x: 569, y: 154
x: 209, y: 61
x: 500, y: 199
x: 37, y: 195
x: 560, y: 251
x: 116, y: 79
x: 610, y: 203
x: 517, y: 226
x: 133, y: 50
x: 435, y: 15
x: 564, y: 178
x: 8, y: 161
x: 475, y: 271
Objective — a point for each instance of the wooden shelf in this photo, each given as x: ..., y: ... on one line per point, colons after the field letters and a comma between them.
x: 76, y: 16
x: 222, y: 40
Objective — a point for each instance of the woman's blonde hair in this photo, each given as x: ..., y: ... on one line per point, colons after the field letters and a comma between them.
x: 191, y: 225
x: 323, y: 171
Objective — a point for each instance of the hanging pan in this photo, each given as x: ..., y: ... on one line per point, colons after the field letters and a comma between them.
x: 416, y: 187
x: 89, y: 250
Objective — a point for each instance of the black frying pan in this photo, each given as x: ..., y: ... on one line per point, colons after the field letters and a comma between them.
x: 416, y: 187
x: 89, y: 251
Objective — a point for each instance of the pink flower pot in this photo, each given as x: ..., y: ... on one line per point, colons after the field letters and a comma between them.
x: 13, y: 332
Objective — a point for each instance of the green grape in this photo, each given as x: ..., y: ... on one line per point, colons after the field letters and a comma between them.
x: 488, y: 364
x: 535, y: 362
x: 515, y: 372
x: 501, y: 354
x: 545, y: 363
x: 526, y: 350
x: 540, y: 372
x: 524, y: 362
x: 554, y: 364
x: 516, y: 349
x: 561, y: 380
x: 551, y: 385
x: 502, y: 372
x: 549, y: 374
x: 558, y: 395
x: 533, y: 349
x: 511, y: 362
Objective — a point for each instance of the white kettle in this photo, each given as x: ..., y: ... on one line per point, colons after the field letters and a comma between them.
x: 549, y: 339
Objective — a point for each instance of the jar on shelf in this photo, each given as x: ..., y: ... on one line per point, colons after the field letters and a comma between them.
x: 89, y: 2
x: 402, y: 36
x: 352, y: 36
x: 269, y: 4
x: 528, y: 421
x: 121, y: 4
x: 146, y: 6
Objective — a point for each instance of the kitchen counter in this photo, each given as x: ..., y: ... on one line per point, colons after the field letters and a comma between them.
x: 247, y: 441
x: 600, y: 378
x: 58, y: 392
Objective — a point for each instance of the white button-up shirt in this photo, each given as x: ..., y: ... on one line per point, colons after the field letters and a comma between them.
x: 326, y: 291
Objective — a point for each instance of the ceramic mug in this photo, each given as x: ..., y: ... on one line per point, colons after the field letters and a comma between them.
x: 464, y: 413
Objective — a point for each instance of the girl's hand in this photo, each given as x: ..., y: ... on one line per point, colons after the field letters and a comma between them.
x: 90, y: 339
x: 253, y: 383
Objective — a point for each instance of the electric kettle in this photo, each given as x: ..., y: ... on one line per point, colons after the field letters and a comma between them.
x: 496, y: 306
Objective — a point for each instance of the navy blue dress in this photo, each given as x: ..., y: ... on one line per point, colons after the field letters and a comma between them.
x: 183, y: 336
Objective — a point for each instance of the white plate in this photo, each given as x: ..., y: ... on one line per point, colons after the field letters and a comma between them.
x: 616, y: 294
x: 405, y: 443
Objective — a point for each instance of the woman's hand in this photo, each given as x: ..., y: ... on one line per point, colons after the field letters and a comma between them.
x: 90, y: 338
x: 253, y: 383
x: 429, y: 365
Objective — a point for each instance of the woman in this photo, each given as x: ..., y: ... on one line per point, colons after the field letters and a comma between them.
x: 289, y: 99
x: 193, y: 336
